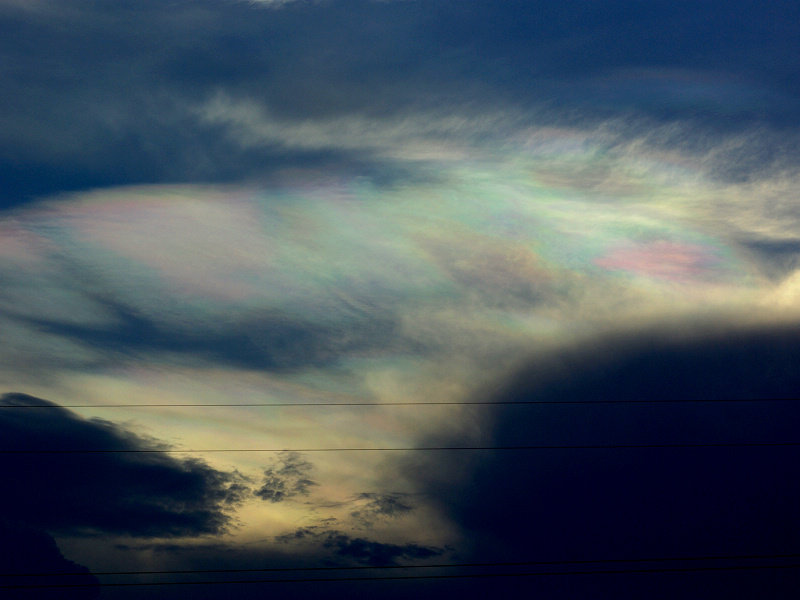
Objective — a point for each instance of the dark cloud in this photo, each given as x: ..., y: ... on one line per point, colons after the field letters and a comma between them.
x: 376, y: 553
x: 170, y: 548
x: 121, y: 492
x: 103, y: 93
x: 778, y: 258
x: 301, y: 559
x: 263, y: 339
x: 647, y: 502
x: 289, y: 477
x: 309, y: 532
x: 359, y: 550
x: 26, y: 551
x: 374, y: 506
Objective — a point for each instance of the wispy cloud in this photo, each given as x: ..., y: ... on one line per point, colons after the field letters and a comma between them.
x: 290, y: 477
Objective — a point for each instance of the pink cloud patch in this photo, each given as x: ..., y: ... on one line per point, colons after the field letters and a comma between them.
x: 661, y: 260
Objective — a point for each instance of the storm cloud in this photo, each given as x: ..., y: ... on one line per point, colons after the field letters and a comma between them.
x: 25, y: 551
x: 664, y: 387
x: 53, y: 484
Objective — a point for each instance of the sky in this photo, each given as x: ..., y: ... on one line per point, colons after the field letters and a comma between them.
x: 338, y: 287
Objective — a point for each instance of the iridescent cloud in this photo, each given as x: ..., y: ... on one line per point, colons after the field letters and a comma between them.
x: 349, y: 291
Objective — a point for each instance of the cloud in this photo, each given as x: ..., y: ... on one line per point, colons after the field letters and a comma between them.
x: 116, y: 93
x: 360, y: 550
x: 309, y: 277
x: 589, y: 504
x: 376, y: 553
x: 422, y: 193
x: 25, y: 551
x: 375, y: 506
x: 262, y: 339
x: 437, y: 135
x: 288, y: 478
x: 122, y: 492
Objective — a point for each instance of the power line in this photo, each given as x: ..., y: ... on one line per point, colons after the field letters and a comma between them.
x: 426, y: 566
x: 413, y: 449
x: 378, y: 404
x: 417, y: 577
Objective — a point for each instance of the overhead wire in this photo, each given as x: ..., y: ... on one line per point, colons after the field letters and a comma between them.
x: 423, y: 566
x: 379, y: 404
x: 413, y: 448
x: 411, y: 577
